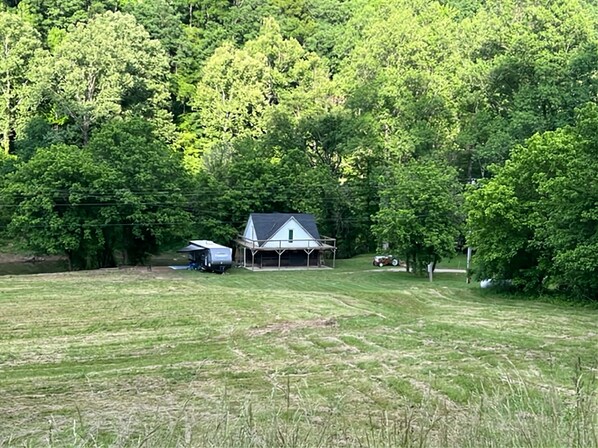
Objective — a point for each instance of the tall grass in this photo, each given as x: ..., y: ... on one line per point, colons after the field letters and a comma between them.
x: 521, y: 418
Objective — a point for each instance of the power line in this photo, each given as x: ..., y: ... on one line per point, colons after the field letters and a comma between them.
x: 352, y: 220
x: 203, y: 190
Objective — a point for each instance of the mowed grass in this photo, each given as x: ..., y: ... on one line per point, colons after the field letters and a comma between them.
x: 356, y: 356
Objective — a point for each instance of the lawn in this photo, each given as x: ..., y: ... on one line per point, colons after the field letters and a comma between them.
x: 356, y: 356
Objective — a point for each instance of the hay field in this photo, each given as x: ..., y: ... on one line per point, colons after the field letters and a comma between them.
x: 348, y: 357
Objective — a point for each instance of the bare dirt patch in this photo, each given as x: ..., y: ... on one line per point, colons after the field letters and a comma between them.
x: 287, y: 327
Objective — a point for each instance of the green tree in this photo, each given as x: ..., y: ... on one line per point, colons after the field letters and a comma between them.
x: 106, y: 68
x: 144, y: 190
x: 240, y: 88
x: 244, y: 177
x: 316, y: 24
x: 275, y: 174
x: 160, y: 19
x: 230, y: 100
x: 124, y: 193
x: 420, y: 214
x: 49, y: 16
x: 208, y: 25
x: 529, y: 66
x: 335, y: 154
x: 19, y: 44
x: 48, y: 198
x: 404, y: 71
x: 7, y: 165
x: 535, y: 222
x: 570, y: 210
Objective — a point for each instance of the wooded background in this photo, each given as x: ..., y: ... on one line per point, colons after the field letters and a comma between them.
x: 128, y: 126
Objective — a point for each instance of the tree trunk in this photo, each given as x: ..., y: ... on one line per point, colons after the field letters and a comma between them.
x: 70, y: 260
x: 7, y: 130
x: 470, y: 166
x: 85, y: 125
x: 6, y: 141
x: 107, y: 257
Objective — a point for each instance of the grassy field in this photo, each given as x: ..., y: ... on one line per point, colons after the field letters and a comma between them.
x: 356, y: 356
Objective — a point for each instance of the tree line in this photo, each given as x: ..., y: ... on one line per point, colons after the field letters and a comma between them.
x: 127, y: 126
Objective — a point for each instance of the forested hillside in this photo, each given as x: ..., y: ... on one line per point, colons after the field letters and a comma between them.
x: 128, y: 126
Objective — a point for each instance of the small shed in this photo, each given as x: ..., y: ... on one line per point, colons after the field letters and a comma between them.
x: 283, y: 240
x: 206, y: 255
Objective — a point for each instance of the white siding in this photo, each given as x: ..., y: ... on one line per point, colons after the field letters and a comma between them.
x: 249, y: 233
x: 301, y: 238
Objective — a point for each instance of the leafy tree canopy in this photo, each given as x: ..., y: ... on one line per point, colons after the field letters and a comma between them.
x: 125, y: 192
x: 20, y: 44
x: 535, y: 222
x: 419, y: 215
x: 106, y: 68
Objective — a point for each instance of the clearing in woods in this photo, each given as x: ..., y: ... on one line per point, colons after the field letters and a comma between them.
x: 351, y: 356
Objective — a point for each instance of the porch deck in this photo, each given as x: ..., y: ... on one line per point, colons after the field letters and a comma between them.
x: 284, y: 254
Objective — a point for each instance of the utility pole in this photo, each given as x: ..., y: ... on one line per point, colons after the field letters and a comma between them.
x: 468, y: 279
x: 472, y: 181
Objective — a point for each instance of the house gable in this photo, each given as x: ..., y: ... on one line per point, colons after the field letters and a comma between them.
x: 291, y: 234
x: 266, y: 225
x: 249, y: 233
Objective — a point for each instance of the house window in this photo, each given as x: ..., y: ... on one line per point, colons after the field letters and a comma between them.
x: 290, y: 235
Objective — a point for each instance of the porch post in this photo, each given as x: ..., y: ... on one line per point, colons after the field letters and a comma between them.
x: 280, y: 252
x: 308, y: 252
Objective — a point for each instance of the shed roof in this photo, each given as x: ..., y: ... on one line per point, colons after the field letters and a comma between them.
x: 267, y: 224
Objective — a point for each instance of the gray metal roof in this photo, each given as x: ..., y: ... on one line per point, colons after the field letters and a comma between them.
x: 267, y: 224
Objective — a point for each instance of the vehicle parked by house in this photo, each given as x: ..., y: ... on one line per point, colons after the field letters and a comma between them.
x: 385, y: 260
x: 205, y: 255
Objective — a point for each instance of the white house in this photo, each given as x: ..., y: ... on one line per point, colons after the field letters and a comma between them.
x: 283, y: 240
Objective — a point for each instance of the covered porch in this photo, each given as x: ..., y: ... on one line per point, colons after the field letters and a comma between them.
x: 272, y: 254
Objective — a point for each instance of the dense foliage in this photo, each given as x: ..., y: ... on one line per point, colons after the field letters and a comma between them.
x: 420, y: 213
x: 370, y: 114
x: 536, y: 221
